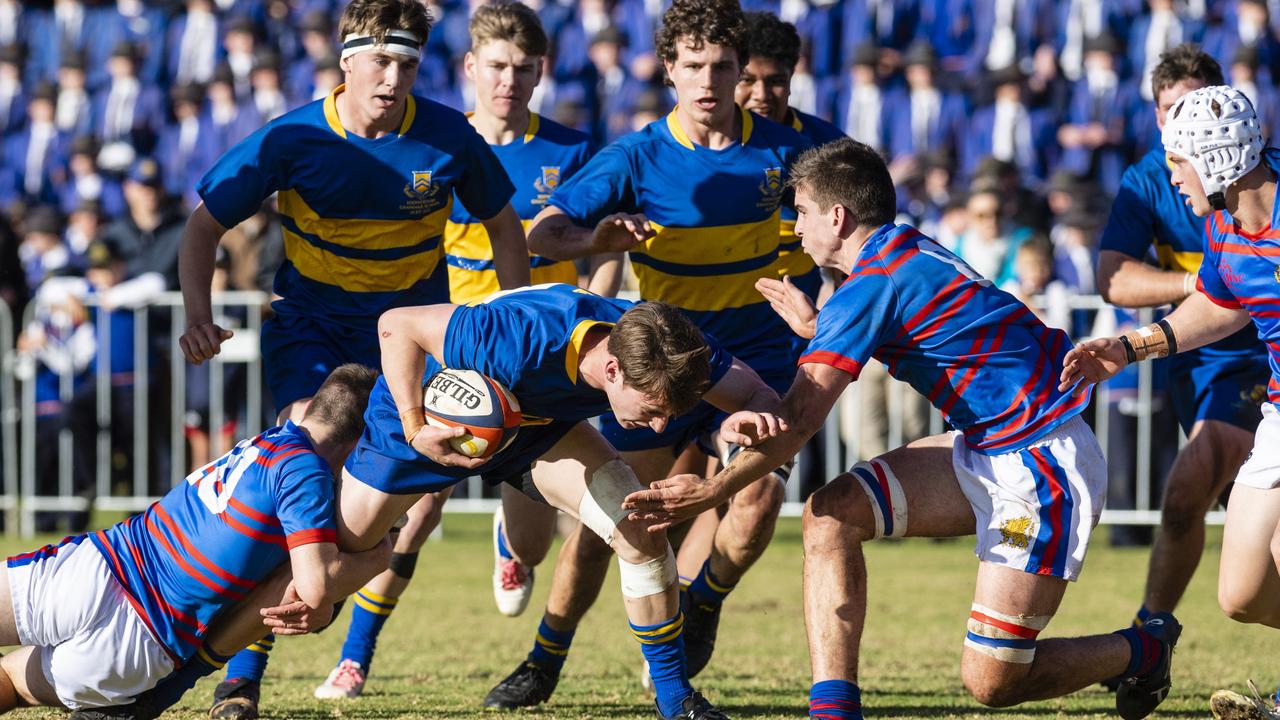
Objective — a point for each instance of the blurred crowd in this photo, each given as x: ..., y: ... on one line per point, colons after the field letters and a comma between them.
x: 1007, y: 125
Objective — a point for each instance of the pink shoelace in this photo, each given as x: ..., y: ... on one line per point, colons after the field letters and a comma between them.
x: 349, y: 676
x: 513, y: 575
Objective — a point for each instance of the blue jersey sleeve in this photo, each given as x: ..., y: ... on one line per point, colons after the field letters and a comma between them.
x: 853, y: 324
x: 721, y: 359
x: 304, y: 500
x: 603, y: 186
x: 486, y: 338
x: 485, y: 187
x: 246, y: 175
x: 1208, y: 280
x: 1131, y: 225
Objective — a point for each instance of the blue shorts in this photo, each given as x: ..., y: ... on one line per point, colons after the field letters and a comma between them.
x: 299, y: 352
x: 695, y: 426
x: 385, y: 462
x: 1209, y: 385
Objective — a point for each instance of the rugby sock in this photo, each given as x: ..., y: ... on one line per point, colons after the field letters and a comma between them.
x: 1141, y: 617
x: 1144, y: 652
x: 369, y: 613
x: 503, y: 550
x: 251, y: 662
x: 550, y: 647
x: 169, y: 691
x: 835, y: 700
x: 706, y: 588
x: 663, y: 647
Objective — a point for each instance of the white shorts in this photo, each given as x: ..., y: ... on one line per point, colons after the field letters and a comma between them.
x: 1036, y: 507
x: 1262, y: 468
x: 95, y: 649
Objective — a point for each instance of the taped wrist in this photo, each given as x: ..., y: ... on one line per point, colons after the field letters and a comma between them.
x: 402, y: 564
x: 412, y: 421
x: 1154, y: 340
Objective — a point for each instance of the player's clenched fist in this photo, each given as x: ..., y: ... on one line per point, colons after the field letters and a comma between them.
x: 622, y: 231
x: 1091, y: 362
x: 202, y: 341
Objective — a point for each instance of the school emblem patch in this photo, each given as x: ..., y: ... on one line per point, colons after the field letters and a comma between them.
x: 771, y: 188
x: 546, y: 183
x: 421, y: 185
x: 1015, y: 532
x: 1276, y: 273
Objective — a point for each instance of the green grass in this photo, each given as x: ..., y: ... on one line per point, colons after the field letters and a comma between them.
x: 446, y: 645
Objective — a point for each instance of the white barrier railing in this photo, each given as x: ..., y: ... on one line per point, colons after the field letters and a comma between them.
x: 18, y: 420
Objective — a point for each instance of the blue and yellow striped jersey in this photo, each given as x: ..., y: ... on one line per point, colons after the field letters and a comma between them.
x: 536, y: 163
x: 716, y: 213
x: 362, y: 219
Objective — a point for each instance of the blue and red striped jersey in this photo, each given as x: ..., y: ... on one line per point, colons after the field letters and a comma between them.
x: 212, y: 539
x: 977, y: 353
x: 1241, y: 270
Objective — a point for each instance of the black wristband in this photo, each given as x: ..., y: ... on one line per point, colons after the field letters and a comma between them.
x: 1169, y: 339
x: 1129, y: 355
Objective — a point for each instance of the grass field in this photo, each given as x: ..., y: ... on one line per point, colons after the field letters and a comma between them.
x: 446, y: 645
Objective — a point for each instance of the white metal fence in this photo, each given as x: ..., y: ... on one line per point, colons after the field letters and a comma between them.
x: 161, y: 372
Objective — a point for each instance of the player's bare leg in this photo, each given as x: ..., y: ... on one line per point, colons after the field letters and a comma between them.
x: 1210, y: 459
x: 373, y: 604
x: 22, y: 680
x: 523, y: 529
x: 1249, y: 577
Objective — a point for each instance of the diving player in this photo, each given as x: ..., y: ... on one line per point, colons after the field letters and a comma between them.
x: 694, y: 198
x: 364, y: 180
x: 1022, y: 471
x: 1214, y: 147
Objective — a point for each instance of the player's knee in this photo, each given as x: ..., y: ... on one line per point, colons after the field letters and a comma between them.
x: 838, y: 510
x: 646, y: 577
x: 633, y: 542
x: 994, y: 689
x: 1244, y: 606
x: 1181, y: 513
x: 761, y: 501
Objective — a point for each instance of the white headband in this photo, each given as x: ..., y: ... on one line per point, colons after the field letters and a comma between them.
x: 400, y: 42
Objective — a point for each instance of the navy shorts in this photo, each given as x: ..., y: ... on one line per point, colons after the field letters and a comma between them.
x: 299, y: 352
x: 1218, y: 386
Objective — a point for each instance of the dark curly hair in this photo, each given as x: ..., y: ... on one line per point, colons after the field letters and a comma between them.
x: 698, y: 22
x: 768, y: 36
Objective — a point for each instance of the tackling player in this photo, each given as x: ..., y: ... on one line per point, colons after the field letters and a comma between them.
x: 1214, y: 147
x: 101, y: 618
x: 504, y: 65
x: 1212, y: 386
x: 364, y: 180
x: 1022, y: 471
x: 694, y: 198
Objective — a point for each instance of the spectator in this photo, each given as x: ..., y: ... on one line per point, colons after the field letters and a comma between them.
x: 36, y: 155
x: 240, y: 44
x: 268, y: 95
x: 229, y: 120
x: 1034, y: 284
x: 615, y: 90
x: 860, y: 103
x: 1008, y: 130
x: 185, y: 147
x: 990, y: 242
x: 148, y: 235
x: 66, y: 27
x: 71, y: 114
x: 193, y: 44
x: 127, y: 115
x: 85, y: 182
x: 327, y: 76
x: 11, y: 22
x: 318, y: 45
x: 1094, y: 138
x: 925, y: 118
x: 1244, y: 77
x: 12, y: 99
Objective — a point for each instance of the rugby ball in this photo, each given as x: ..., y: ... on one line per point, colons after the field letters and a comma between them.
x: 466, y: 398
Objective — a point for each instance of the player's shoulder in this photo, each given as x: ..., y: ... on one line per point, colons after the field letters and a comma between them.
x: 438, y: 123
x: 552, y: 132
x: 287, y: 450
x: 775, y: 136
x: 1151, y: 170
x: 816, y: 129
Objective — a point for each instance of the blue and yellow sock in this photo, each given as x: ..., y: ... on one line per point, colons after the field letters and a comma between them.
x: 251, y: 662
x: 169, y: 691
x: 706, y: 589
x: 369, y: 612
x: 1141, y: 618
x: 835, y: 700
x: 550, y: 647
x: 663, y: 647
x: 1145, y: 652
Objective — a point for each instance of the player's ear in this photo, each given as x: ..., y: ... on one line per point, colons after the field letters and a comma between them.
x: 469, y: 65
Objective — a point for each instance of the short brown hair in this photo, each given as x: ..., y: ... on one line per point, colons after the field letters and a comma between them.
x: 699, y: 22
x: 376, y: 17
x: 514, y: 22
x: 773, y: 38
x: 341, y: 401
x: 662, y: 354
x: 850, y: 173
x: 1184, y: 62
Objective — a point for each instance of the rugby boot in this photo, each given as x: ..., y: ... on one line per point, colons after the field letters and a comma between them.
x: 236, y: 699
x: 695, y: 707
x: 529, y: 685
x: 512, y: 580
x: 1230, y: 705
x: 139, y: 709
x: 1138, y: 697
x: 701, y: 621
x: 345, y: 681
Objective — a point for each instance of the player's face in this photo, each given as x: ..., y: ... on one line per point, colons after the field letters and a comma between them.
x: 765, y: 88
x: 1187, y: 181
x: 379, y: 82
x: 816, y: 229
x: 1170, y: 95
x: 504, y: 77
x: 633, y: 408
x: 705, y: 80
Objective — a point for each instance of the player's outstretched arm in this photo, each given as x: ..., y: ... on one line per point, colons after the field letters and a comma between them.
x: 1129, y: 282
x: 605, y: 278
x: 202, y: 338
x: 791, y: 304
x: 741, y: 389
x: 510, y: 253
x: 553, y: 234
x: 322, y: 575
x: 807, y: 404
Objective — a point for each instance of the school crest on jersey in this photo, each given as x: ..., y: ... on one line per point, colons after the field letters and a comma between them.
x: 1276, y: 273
x: 546, y: 183
x: 421, y: 186
x: 771, y: 189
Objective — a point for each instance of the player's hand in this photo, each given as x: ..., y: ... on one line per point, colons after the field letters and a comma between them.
x: 433, y: 442
x: 202, y: 341
x: 791, y: 304
x: 1091, y: 362
x: 620, y: 232
x: 748, y: 429
x: 294, y: 617
x: 673, y: 500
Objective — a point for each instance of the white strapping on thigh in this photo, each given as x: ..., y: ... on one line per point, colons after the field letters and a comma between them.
x: 1006, y: 638
x: 884, y: 494
x: 601, y: 505
x: 648, y: 578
